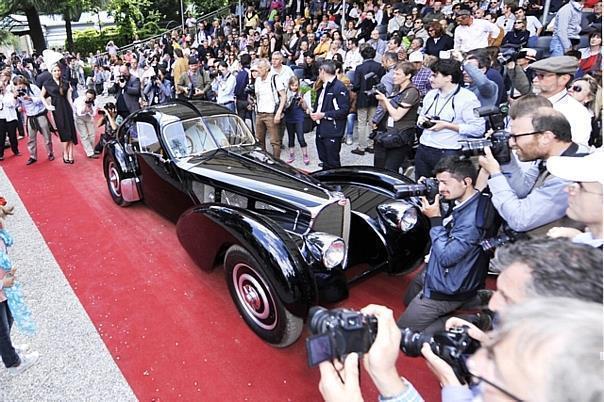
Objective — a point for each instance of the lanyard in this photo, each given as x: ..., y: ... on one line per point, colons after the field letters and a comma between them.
x: 435, y: 103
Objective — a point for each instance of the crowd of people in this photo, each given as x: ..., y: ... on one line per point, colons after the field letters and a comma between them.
x: 415, y: 84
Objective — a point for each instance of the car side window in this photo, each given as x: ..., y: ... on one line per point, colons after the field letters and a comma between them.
x: 130, y: 135
x: 147, y: 138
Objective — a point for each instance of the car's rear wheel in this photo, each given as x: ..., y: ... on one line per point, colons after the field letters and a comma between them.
x: 257, y: 300
x: 114, y: 181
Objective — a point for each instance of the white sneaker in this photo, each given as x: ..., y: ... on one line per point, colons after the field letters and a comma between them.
x: 21, y: 349
x: 27, y: 361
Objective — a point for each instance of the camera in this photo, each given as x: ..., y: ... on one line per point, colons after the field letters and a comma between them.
x: 430, y: 122
x: 122, y: 80
x: 377, y: 88
x: 506, y: 236
x: 428, y: 188
x: 89, y: 101
x: 452, y: 346
x: 338, y: 332
x: 498, y: 143
x: 21, y: 92
x: 250, y: 89
x: 499, y: 139
x: 507, y: 54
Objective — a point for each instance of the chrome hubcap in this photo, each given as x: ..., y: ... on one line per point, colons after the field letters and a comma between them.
x: 254, y: 296
x: 114, y: 179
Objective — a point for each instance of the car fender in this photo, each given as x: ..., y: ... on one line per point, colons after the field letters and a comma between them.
x: 118, y: 153
x: 206, y: 231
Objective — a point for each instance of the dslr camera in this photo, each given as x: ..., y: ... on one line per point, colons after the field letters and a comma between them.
x: 427, y: 187
x: 21, y: 92
x: 338, y: 332
x: 250, y: 89
x: 499, y: 139
x: 375, y: 89
x: 430, y: 122
x: 452, y: 346
x: 506, y: 236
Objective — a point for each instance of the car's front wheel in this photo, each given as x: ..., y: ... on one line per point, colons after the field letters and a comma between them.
x: 114, y: 181
x: 257, y: 300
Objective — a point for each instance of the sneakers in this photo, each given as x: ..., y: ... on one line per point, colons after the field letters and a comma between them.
x: 292, y: 157
x: 348, y: 140
x: 21, y: 349
x: 51, y: 157
x: 306, y: 160
x: 27, y: 361
x: 358, y: 151
x: 369, y: 150
x: 30, y: 161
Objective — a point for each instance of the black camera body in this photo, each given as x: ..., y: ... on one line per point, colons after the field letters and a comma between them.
x: 506, y: 236
x: 250, y: 89
x: 21, y: 92
x: 452, y: 346
x: 375, y: 89
x: 89, y: 102
x: 338, y: 332
x: 498, y: 142
x: 431, y: 122
x: 427, y: 188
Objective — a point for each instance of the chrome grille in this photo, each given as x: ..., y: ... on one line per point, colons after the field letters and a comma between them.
x: 334, y: 219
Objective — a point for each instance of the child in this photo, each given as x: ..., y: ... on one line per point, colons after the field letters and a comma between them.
x: 295, y: 109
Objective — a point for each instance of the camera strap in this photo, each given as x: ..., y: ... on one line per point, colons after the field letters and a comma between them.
x: 449, y: 99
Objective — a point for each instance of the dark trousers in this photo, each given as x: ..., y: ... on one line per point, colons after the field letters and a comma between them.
x: 426, y: 159
x: 10, y: 357
x: 295, y: 129
x: 391, y: 159
x: 328, y: 149
x: 8, y: 128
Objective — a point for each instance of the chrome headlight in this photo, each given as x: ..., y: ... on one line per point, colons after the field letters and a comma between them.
x: 398, y: 215
x: 329, y: 249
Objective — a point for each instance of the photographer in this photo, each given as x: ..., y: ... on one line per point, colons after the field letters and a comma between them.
x: 127, y: 92
x: 457, y: 265
x: 28, y: 98
x: 158, y: 88
x: 110, y: 122
x: 85, y: 111
x: 393, y: 145
x: 447, y: 116
x: 194, y: 84
x: 224, y: 86
x: 531, y: 200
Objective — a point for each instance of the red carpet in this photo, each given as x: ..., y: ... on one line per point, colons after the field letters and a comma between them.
x: 171, y: 328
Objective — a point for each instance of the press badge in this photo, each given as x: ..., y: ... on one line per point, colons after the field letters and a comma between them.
x: 390, y: 122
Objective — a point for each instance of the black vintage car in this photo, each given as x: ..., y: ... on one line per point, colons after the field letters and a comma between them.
x: 286, y: 238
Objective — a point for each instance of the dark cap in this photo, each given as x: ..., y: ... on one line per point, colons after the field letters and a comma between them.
x: 558, y: 65
x: 193, y: 60
x: 463, y: 12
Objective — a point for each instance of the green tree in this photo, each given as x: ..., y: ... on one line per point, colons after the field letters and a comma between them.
x: 7, y: 38
x: 127, y: 14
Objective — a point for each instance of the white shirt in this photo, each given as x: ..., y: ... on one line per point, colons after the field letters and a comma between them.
x: 532, y: 25
x: 577, y: 115
x: 353, y: 59
x: 7, y: 107
x: 507, y: 23
x: 283, y: 75
x: 81, y: 111
x: 475, y: 36
x: 225, y: 89
x: 267, y: 97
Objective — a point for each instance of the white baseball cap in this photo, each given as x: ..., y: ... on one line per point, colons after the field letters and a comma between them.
x: 589, y: 168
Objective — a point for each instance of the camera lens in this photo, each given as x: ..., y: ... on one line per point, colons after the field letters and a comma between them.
x: 412, y: 341
x: 316, y: 321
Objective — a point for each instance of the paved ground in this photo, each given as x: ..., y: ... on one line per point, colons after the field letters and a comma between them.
x: 74, y: 362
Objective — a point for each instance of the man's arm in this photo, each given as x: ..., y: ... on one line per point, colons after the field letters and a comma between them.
x: 486, y: 87
x: 343, y: 104
x: 134, y: 87
x: 562, y: 22
x: 470, y: 125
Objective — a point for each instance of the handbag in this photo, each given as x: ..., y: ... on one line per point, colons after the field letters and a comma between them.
x: 393, y: 138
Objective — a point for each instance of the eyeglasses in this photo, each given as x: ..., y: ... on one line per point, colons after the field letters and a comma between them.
x: 497, y: 387
x: 576, y: 188
x: 576, y: 88
x: 515, y: 136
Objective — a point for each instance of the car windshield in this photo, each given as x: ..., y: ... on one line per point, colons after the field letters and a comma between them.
x: 199, y: 135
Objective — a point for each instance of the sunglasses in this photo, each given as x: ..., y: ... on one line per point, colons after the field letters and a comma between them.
x: 576, y: 88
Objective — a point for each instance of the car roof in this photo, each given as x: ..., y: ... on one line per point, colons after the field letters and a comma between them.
x: 184, y: 110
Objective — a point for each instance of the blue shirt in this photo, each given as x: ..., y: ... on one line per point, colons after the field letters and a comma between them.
x: 455, y: 107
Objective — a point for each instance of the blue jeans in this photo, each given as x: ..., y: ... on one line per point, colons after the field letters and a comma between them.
x: 295, y: 129
x: 555, y: 47
x: 7, y: 351
x: 350, y: 120
x: 426, y: 159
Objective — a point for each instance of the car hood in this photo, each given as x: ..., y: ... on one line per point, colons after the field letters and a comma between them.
x: 257, y: 172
